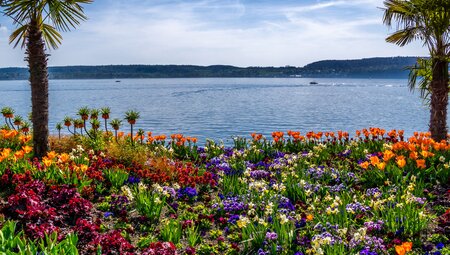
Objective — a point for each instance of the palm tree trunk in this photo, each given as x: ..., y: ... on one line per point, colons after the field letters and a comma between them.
x: 439, y: 100
x: 37, y: 63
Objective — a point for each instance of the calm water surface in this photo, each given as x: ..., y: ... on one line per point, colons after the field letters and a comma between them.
x: 220, y: 108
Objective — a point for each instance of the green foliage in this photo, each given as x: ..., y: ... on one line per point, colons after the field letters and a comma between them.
x: 253, y: 236
x: 94, y: 114
x: 171, y: 231
x: 12, y: 243
x: 115, y: 124
x: 193, y: 235
x: 7, y: 112
x: 145, y: 241
x: 234, y: 184
x: 83, y: 112
x: 131, y: 116
x: 148, y: 203
x: 116, y: 176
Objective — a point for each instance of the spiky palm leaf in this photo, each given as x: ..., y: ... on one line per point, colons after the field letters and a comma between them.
x: 425, y: 20
x: 53, y: 17
x: 420, y: 76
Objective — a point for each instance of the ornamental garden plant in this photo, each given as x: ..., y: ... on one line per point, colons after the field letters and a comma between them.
x: 103, y: 191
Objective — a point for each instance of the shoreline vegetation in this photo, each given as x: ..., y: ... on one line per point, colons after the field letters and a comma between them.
x: 389, y: 67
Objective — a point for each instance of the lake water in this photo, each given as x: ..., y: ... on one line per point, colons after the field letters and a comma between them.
x: 220, y: 108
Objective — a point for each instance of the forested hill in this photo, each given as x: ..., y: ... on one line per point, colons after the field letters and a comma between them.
x: 392, y: 67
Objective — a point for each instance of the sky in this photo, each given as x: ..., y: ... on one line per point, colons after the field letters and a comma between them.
x: 228, y: 32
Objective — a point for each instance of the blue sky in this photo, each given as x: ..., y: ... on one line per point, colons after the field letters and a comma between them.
x: 234, y: 32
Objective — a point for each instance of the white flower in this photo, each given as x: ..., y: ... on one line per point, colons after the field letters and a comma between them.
x: 283, y: 219
x: 127, y: 192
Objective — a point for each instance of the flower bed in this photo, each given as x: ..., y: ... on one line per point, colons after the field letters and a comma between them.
x: 322, y: 193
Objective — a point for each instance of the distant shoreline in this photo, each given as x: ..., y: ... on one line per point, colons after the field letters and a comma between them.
x: 369, y: 68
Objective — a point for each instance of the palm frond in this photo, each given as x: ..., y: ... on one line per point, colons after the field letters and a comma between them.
x: 52, y: 17
x: 66, y: 15
x: 51, y: 36
x: 21, y: 11
x: 19, y: 36
x: 420, y: 77
x: 404, y: 36
x: 398, y: 10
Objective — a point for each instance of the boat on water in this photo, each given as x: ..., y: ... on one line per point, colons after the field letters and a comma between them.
x: 118, y: 81
x: 313, y: 83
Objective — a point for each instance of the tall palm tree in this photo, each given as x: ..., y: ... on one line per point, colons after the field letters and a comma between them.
x: 39, y: 23
x: 428, y: 21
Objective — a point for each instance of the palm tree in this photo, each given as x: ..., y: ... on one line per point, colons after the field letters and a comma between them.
x: 39, y: 25
x: 428, y: 21
x: 8, y: 114
x: 115, y: 124
x: 131, y: 117
x: 59, y: 126
x: 105, y: 111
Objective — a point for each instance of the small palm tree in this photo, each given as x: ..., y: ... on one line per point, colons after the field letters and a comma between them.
x: 68, y: 123
x: 95, y: 123
x: 141, y: 134
x: 131, y: 117
x: 59, y: 126
x: 8, y: 114
x: 84, y: 112
x: 39, y: 24
x: 94, y: 114
x: 105, y: 111
x: 115, y: 124
x: 428, y: 21
x: 78, y: 123
x: 25, y: 127
x: 18, y: 120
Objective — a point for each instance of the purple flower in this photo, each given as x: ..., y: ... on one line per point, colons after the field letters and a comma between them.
x: 271, y: 236
x: 107, y: 214
x: 188, y: 191
x: 133, y: 180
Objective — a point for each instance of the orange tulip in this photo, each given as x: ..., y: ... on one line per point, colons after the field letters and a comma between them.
x: 19, y: 154
x: 413, y: 155
x: 401, y: 162
x: 381, y: 166
x: 364, y: 165
x: 27, y: 149
x: 64, y: 157
x: 6, y: 153
x: 407, y: 246
x: 421, y: 163
x: 374, y: 160
x: 83, y: 167
x: 47, y: 162
x: 51, y: 155
x: 426, y: 154
x: 387, y: 155
x: 400, y: 250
